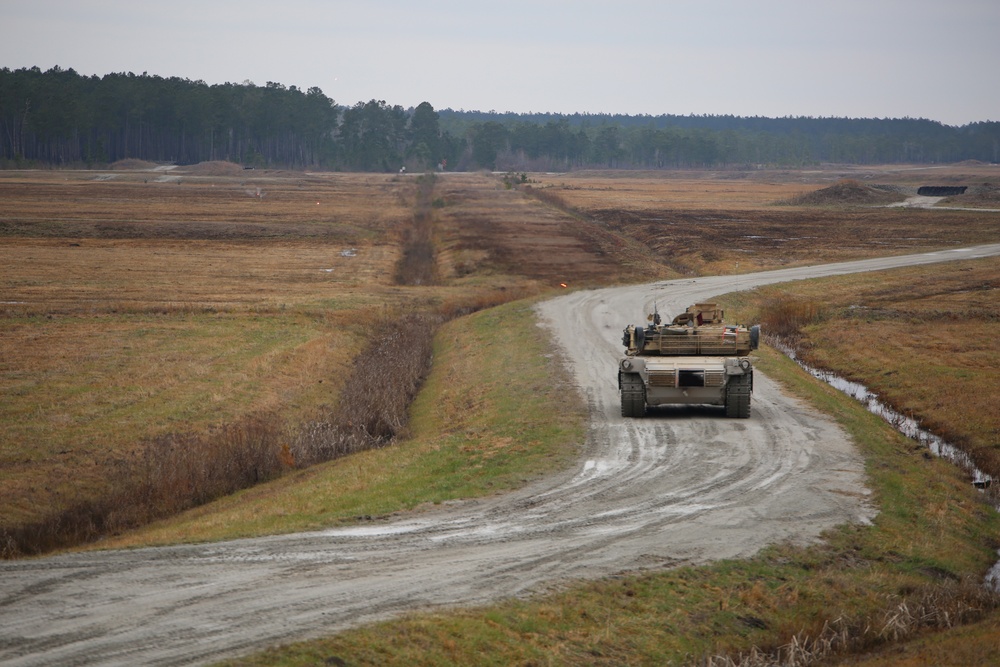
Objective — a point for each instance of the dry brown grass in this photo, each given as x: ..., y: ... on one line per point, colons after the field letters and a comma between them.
x: 418, y: 263
x: 487, y: 229
x: 339, y: 209
x: 922, y: 338
x: 960, y: 645
x: 663, y: 190
x: 718, y: 225
x: 50, y: 276
x: 941, y: 607
x: 139, y: 314
x: 138, y: 304
x: 135, y: 311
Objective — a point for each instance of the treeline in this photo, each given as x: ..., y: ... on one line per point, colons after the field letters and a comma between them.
x: 553, y: 141
x: 59, y: 117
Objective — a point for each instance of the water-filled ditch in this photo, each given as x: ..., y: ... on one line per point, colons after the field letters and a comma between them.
x: 908, y: 427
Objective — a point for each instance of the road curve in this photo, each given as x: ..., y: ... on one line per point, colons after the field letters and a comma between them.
x: 682, y: 486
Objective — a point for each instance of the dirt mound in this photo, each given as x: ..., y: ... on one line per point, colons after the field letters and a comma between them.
x: 984, y: 195
x: 133, y: 165
x: 215, y: 168
x: 849, y: 192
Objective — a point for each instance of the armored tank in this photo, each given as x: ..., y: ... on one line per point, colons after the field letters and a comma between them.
x: 697, y: 359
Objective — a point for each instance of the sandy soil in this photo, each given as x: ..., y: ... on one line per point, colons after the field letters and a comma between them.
x: 680, y: 486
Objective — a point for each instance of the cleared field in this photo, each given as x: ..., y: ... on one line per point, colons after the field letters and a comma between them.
x: 719, y: 224
x: 141, y: 303
x: 132, y: 309
x: 486, y: 230
x: 135, y: 306
x: 590, y: 191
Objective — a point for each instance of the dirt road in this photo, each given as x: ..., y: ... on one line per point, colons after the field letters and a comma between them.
x: 679, y: 487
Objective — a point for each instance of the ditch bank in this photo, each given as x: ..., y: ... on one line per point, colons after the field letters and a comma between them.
x: 911, y: 428
x: 906, y: 425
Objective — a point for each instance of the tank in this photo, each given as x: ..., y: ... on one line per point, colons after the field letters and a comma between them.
x: 697, y: 359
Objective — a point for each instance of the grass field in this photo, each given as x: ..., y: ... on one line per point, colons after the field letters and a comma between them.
x: 132, y: 310
x: 921, y: 339
x: 925, y: 553
x: 135, y: 307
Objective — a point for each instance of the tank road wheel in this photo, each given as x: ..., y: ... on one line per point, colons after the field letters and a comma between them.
x: 633, y: 395
x: 738, y: 396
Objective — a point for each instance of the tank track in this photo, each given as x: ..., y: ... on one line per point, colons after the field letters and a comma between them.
x: 633, y: 395
x: 738, y: 396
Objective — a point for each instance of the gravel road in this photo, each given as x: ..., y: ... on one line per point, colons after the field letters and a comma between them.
x: 681, y: 486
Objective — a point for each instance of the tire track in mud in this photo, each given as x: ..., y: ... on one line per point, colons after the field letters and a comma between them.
x: 683, y: 485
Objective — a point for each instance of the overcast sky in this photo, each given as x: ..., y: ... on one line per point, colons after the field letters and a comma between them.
x: 844, y: 58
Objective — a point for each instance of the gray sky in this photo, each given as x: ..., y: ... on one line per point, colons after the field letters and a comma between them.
x: 854, y: 58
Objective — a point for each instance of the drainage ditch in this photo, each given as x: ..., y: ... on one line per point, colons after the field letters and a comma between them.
x: 911, y: 429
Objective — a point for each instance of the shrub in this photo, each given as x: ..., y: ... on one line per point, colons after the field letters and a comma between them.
x: 785, y: 317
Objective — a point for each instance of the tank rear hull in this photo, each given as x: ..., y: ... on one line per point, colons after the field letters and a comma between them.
x: 692, y: 380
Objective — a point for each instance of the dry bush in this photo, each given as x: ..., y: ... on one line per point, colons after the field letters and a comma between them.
x: 935, y: 608
x: 784, y: 317
x: 179, y: 471
x: 168, y: 475
x: 377, y: 395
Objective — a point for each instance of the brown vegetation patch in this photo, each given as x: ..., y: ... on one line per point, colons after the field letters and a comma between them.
x: 341, y: 209
x: 726, y: 242
x: 933, y: 609
x: 729, y: 223
x: 638, y: 193
x: 417, y: 264
x: 493, y: 229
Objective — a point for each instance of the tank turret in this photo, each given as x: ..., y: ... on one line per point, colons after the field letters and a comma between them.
x: 699, y: 330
